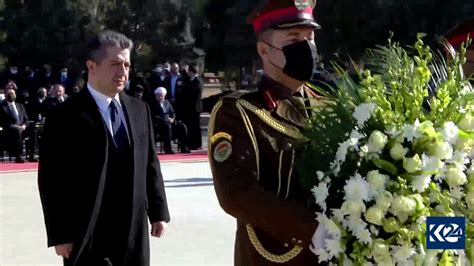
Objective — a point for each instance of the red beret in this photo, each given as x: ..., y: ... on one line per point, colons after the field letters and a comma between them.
x: 282, y: 14
x: 461, y: 32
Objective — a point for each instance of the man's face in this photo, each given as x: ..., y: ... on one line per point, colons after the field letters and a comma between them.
x: 42, y: 93
x: 282, y: 38
x: 58, y: 91
x: 469, y: 66
x: 174, y: 69
x: 270, y: 50
x: 111, y: 75
x: 160, y: 97
x: 10, y: 95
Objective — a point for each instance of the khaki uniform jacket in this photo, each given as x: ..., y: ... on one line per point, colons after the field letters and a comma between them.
x: 252, y: 154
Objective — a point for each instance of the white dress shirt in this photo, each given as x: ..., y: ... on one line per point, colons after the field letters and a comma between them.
x: 103, y: 102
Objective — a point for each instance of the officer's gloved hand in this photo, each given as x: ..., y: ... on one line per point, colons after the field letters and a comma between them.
x: 318, y: 241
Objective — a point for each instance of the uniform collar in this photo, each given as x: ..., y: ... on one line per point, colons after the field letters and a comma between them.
x: 273, y: 92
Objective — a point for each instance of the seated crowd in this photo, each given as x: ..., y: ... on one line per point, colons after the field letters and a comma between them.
x: 174, y: 98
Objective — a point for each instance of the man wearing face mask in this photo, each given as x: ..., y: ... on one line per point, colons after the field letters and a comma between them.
x: 36, y: 107
x: 252, y: 139
x: 14, y: 121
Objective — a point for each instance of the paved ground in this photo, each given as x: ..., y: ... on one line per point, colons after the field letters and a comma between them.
x: 200, y: 232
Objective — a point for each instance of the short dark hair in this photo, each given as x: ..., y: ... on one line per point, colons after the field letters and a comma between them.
x: 96, y: 49
x: 265, y: 36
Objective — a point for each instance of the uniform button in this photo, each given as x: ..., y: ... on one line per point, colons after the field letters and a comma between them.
x: 300, y: 242
x: 293, y: 241
x: 286, y: 245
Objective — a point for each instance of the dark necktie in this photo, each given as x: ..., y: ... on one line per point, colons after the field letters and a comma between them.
x: 15, y: 114
x: 118, y: 127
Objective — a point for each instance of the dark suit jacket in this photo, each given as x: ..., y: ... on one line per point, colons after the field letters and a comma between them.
x: 7, y: 120
x: 178, y: 85
x: 193, y: 95
x: 161, y: 114
x: 34, y: 108
x: 71, y: 177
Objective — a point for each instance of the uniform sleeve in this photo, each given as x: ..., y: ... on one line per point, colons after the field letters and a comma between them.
x: 156, y: 196
x: 234, y: 170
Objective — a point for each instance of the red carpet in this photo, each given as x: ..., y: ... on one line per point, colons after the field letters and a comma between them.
x: 197, y: 156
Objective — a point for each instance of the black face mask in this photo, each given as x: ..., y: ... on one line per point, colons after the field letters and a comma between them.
x: 41, y: 95
x: 301, y: 59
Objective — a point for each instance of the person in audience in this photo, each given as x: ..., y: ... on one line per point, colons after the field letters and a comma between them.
x: 193, y: 107
x: 165, y: 123
x: 14, y: 121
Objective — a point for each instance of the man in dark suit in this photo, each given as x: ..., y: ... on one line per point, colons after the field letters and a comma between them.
x: 14, y: 120
x: 66, y: 80
x: 57, y: 97
x: 98, y: 190
x: 165, y: 123
x: 192, y: 95
x: 36, y: 107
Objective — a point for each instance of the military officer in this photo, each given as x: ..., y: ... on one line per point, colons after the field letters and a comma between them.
x: 459, y: 34
x: 252, y: 139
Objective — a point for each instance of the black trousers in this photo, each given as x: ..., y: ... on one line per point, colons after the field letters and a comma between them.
x: 193, y: 122
x: 14, y: 140
x: 168, y: 132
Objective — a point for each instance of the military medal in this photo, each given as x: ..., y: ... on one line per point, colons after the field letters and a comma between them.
x: 222, y: 151
x: 302, y: 4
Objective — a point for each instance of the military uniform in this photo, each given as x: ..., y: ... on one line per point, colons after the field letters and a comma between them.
x: 252, y: 141
x: 252, y: 154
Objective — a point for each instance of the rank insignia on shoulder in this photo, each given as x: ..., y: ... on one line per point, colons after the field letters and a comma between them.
x: 221, y: 135
x: 222, y: 151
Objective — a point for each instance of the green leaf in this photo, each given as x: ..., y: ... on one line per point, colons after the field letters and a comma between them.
x: 386, y: 165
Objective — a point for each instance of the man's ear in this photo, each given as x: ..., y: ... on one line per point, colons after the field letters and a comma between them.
x: 91, y: 65
x: 262, y: 49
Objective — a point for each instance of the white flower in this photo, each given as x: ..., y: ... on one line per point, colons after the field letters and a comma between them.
x: 442, y: 150
x: 457, y: 192
x: 450, y: 132
x: 467, y: 122
x: 403, y: 206
x: 363, y: 236
x: 380, y: 251
x: 384, y: 201
x: 398, y: 152
x: 465, y: 144
x: 363, y: 112
x: 455, y: 177
x: 470, y: 200
x: 320, y: 193
x: 402, y: 254
x: 356, y: 188
x: 377, y: 182
x: 320, y: 175
x: 353, y: 207
x: 431, y: 258
x: 460, y: 159
x: 431, y: 164
x: 420, y: 183
x: 323, y: 255
x: 377, y: 141
x: 412, y: 165
x: 333, y: 246
x: 374, y: 215
x: 411, y: 132
x: 354, y: 223
x: 338, y: 215
x: 342, y: 151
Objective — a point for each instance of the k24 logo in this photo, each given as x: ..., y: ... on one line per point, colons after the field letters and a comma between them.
x: 445, y: 233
